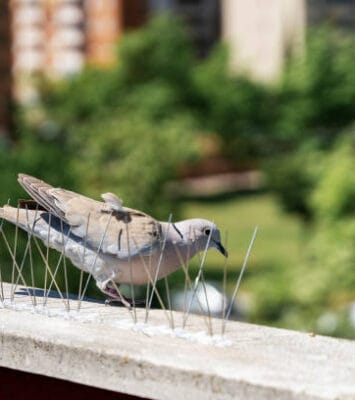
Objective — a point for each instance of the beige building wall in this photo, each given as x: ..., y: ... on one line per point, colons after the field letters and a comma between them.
x: 261, y: 32
x: 102, y: 30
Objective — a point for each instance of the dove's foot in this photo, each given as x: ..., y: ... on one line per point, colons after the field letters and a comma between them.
x: 125, y: 301
x: 111, y: 290
x: 116, y: 296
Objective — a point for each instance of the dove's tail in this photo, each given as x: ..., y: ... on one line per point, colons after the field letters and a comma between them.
x: 18, y: 216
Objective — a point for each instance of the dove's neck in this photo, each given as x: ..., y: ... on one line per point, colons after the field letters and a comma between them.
x: 174, y: 232
x: 179, y: 247
x: 182, y: 235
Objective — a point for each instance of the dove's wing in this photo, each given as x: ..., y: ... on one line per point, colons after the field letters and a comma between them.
x: 107, y: 227
x: 39, y: 191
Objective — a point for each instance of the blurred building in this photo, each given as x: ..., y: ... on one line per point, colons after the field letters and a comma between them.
x: 57, y: 37
x: 260, y: 33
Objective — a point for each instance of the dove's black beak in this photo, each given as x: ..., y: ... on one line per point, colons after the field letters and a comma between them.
x: 220, y: 248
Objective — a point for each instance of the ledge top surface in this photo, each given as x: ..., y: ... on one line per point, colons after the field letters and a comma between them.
x: 102, y: 346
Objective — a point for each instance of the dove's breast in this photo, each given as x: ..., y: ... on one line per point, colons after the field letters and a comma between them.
x: 143, y: 269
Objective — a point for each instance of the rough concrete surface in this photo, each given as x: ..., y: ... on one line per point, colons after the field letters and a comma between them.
x: 96, y: 348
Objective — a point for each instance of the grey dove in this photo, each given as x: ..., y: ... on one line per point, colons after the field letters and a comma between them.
x: 116, y: 244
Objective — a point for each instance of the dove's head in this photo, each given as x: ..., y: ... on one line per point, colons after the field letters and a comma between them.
x: 202, y: 232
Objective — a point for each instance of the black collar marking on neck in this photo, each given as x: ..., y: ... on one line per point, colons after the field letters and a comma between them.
x: 177, y: 230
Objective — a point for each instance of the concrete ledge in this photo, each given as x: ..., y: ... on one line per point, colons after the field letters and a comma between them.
x: 101, y: 347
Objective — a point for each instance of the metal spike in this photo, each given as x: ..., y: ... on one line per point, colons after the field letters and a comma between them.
x: 82, y: 264
x: 198, y: 277
x: 237, y: 285
x: 14, y: 254
x: 224, y: 304
x: 167, y: 289
x: 159, y: 263
x: 131, y: 276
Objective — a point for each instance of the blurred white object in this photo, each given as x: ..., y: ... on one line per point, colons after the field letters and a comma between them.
x: 352, y: 313
x: 207, y: 298
x: 327, y: 322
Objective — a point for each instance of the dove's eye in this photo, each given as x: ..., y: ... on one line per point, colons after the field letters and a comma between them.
x: 207, y: 231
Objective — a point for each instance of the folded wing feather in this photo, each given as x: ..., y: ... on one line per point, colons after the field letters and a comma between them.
x: 98, y: 223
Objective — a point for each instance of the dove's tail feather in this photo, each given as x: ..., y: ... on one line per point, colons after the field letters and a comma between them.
x: 39, y: 191
x: 21, y: 217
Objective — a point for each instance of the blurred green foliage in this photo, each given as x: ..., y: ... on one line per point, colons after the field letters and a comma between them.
x: 131, y: 125
x: 138, y: 161
x: 330, y: 257
x: 316, y: 99
x: 238, y: 109
x: 334, y: 194
x: 317, y: 93
x: 37, y: 153
x: 325, y: 277
x: 316, y: 180
x: 292, y: 177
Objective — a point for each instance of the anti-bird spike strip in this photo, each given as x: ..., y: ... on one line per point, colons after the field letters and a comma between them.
x: 110, y: 243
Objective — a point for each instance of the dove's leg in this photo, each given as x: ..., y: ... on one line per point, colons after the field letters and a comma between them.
x: 114, y: 293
